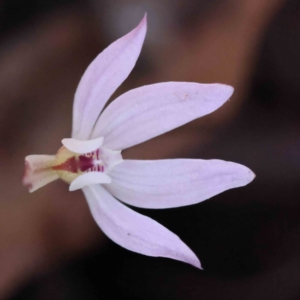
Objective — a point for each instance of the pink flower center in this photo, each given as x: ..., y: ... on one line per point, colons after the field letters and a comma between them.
x: 69, y: 165
x: 89, y: 162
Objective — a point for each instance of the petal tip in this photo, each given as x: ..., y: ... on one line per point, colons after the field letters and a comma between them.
x: 194, y: 261
x: 145, y: 18
x: 226, y: 90
x: 252, y: 175
x: 230, y: 90
x: 221, y: 91
x: 142, y: 27
x: 73, y: 187
x: 248, y: 176
x: 144, y: 21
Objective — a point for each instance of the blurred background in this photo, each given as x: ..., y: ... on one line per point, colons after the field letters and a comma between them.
x: 247, y: 239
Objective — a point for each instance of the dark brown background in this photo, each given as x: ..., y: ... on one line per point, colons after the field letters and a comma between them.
x: 248, y: 239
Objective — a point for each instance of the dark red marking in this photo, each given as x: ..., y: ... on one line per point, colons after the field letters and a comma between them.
x: 85, y: 163
x: 81, y: 164
x: 70, y: 165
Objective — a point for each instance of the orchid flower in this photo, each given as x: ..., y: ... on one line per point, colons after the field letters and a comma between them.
x: 91, y: 159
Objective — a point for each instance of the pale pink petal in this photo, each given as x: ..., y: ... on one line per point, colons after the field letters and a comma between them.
x: 38, y: 171
x: 89, y: 179
x: 81, y: 147
x: 175, y: 182
x: 103, y: 76
x: 133, y: 231
x: 149, y: 111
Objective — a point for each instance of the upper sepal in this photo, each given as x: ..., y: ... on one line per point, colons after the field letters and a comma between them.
x: 102, y: 77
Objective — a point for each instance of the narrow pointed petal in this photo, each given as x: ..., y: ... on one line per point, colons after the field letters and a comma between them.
x: 89, y: 179
x: 38, y: 171
x: 149, y: 111
x: 134, y: 231
x: 82, y: 147
x: 175, y: 182
x: 103, y: 76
